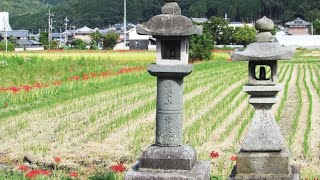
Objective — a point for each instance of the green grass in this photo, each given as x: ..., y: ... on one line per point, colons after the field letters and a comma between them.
x: 285, y: 94
x: 306, y: 140
x: 295, y: 122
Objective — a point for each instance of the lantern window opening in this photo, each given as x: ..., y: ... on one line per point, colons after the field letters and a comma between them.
x: 263, y: 72
x: 171, y: 49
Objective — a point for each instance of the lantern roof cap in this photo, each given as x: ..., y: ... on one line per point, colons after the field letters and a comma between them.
x: 266, y: 47
x: 169, y: 23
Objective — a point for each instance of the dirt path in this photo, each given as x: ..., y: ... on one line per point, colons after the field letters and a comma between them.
x: 297, y: 146
x: 281, y: 93
x: 290, y: 106
x: 315, y: 124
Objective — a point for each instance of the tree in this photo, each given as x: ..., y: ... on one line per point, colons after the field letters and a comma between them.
x: 218, y: 29
x: 245, y: 35
x: 96, y: 38
x: 44, y: 38
x: 316, y: 27
x: 10, y: 46
x: 79, y: 44
x: 201, y: 47
x: 110, y: 40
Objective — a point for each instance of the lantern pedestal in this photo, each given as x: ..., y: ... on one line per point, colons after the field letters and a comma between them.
x: 201, y: 171
x: 264, y: 165
x: 169, y: 158
x: 263, y: 154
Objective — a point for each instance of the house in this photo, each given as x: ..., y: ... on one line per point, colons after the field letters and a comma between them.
x: 298, y: 27
x: 83, y: 34
x: 15, y: 34
x: 28, y: 45
x: 140, y: 42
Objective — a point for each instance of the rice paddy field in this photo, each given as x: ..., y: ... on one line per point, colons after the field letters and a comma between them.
x: 94, y: 110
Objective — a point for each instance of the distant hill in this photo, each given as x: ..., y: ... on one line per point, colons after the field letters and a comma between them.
x: 31, y: 14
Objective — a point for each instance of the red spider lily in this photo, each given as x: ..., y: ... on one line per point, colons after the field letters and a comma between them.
x: 14, y: 89
x: 57, y: 160
x: 27, y: 88
x: 75, y: 78
x: 6, y: 104
x: 57, y: 83
x: 23, y: 168
x: 214, y: 154
x: 73, y: 174
x: 34, y: 173
x: 93, y: 74
x: 118, y: 168
x: 3, y: 89
x: 37, y: 85
x: 104, y: 74
x: 233, y: 158
x: 85, y: 78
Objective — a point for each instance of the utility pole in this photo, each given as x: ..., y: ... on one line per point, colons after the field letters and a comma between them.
x: 49, y: 28
x: 125, y: 23
x: 66, y: 20
x: 5, y: 26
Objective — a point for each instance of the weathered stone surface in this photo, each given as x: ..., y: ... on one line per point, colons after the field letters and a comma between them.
x: 264, y: 24
x: 171, y: 8
x: 262, y: 91
x: 262, y: 154
x: 169, y: 25
x: 169, y: 128
x: 263, y: 52
x: 263, y: 162
x: 179, y: 158
x: 169, y: 95
x: 264, y: 37
x: 264, y: 134
x: 176, y: 71
x: 265, y: 49
x: 201, y: 171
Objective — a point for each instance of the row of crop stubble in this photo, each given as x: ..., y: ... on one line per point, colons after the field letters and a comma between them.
x: 113, y: 118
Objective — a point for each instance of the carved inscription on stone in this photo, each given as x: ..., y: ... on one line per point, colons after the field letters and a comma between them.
x: 168, y: 93
x: 168, y: 128
x: 263, y: 120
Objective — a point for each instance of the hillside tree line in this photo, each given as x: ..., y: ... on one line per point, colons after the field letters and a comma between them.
x: 31, y: 14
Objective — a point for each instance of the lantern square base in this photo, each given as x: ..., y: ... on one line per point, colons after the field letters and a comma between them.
x: 264, y: 166
x: 156, y: 157
x: 201, y: 171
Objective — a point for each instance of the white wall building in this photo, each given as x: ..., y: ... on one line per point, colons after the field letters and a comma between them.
x: 299, y: 41
x: 4, y: 21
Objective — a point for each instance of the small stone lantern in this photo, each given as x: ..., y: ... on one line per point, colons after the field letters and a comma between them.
x: 263, y: 153
x: 169, y: 158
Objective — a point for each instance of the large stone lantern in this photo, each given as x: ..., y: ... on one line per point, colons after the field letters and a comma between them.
x: 168, y: 158
x: 263, y: 153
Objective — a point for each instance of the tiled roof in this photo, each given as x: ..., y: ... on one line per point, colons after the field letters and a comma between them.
x: 18, y: 33
x: 298, y: 22
x: 26, y: 42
